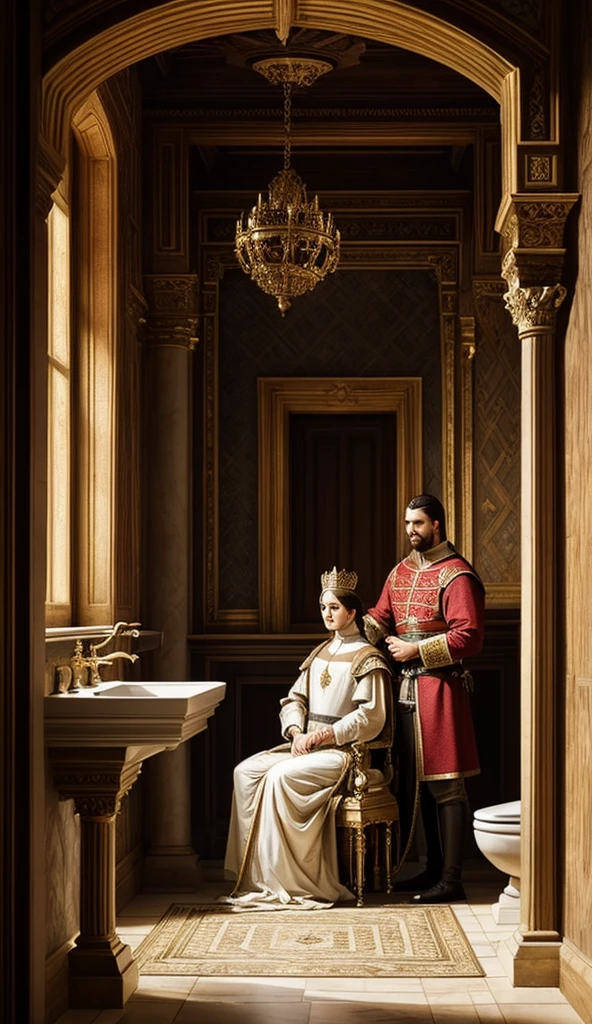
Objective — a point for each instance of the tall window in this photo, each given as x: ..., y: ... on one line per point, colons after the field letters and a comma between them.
x: 81, y: 457
x: 59, y: 477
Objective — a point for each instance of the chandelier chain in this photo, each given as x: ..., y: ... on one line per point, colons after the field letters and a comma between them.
x: 287, y: 124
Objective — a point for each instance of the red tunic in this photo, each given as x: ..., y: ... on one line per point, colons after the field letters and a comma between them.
x: 437, y: 600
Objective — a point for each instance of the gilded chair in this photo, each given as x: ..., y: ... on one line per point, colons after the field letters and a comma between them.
x: 367, y: 804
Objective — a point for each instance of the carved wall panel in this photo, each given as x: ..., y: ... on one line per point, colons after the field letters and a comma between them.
x: 497, y: 446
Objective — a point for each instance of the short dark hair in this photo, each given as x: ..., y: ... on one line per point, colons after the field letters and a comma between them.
x: 432, y: 507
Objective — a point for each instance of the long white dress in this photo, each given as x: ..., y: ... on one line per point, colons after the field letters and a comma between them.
x: 282, y: 846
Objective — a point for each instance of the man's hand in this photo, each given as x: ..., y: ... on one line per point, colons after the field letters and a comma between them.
x: 401, y: 650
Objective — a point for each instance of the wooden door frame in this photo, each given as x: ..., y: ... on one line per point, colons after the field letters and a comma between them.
x: 278, y: 398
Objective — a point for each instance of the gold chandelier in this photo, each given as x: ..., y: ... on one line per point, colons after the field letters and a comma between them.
x: 287, y: 244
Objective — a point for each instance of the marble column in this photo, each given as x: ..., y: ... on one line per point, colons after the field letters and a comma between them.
x: 532, y: 268
x: 170, y: 861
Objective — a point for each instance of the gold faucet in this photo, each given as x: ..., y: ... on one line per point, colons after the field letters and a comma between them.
x: 83, y: 670
x: 93, y: 662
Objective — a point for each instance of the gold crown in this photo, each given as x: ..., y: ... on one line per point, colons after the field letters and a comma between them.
x: 342, y: 580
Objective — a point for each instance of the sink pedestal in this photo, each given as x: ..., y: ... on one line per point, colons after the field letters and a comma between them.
x: 102, y: 970
x: 97, y: 739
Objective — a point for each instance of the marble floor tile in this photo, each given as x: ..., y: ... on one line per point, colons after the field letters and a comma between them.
x: 456, y: 998
x: 374, y: 1013
x: 482, y: 948
x: 493, y: 967
x: 243, y: 1013
x: 483, y: 998
x: 363, y: 985
x: 457, y: 1013
x: 489, y: 1013
x: 79, y: 1017
x: 247, y: 990
x: 443, y: 985
x: 394, y: 999
x: 163, y: 986
x: 505, y: 992
x: 149, y: 904
x: 156, y: 1011
x: 553, y: 1013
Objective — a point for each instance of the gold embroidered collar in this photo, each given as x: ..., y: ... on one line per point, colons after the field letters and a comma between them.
x: 423, y: 558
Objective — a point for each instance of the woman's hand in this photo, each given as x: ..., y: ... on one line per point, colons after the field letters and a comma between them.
x: 299, y: 743
x: 401, y: 650
x: 305, y: 742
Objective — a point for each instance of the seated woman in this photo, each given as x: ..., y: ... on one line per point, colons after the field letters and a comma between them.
x: 282, y: 846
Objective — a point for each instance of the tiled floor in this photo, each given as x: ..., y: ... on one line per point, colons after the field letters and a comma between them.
x: 488, y: 1000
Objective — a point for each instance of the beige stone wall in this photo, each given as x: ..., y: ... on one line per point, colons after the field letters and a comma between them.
x: 62, y: 832
x: 578, y: 531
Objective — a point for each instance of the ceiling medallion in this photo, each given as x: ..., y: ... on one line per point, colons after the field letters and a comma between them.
x: 287, y: 244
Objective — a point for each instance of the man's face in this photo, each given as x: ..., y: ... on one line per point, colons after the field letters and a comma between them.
x: 423, y: 532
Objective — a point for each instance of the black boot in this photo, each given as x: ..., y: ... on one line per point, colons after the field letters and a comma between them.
x: 453, y: 823
x: 433, y: 869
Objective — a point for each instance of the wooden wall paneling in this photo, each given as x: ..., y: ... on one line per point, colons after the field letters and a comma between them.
x: 277, y: 399
x: 216, y: 259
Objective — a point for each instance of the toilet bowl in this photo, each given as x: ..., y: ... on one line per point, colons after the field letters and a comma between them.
x: 497, y: 834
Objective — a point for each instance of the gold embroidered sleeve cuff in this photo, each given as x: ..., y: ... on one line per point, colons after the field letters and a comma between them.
x: 434, y: 651
x: 373, y: 630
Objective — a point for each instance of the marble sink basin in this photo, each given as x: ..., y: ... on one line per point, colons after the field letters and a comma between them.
x: 145, y: 717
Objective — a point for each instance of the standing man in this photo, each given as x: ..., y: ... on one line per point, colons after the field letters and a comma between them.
x: 430, y: 615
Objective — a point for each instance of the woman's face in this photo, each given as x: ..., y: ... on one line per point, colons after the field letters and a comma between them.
x: 335, y: 614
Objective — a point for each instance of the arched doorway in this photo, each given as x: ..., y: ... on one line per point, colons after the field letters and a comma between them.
x: 532, y: 216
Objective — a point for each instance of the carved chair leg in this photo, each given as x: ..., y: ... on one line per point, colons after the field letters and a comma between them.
x: 388, y: 854
x: 360, y: 854
x: 352, y: 874
x: 376, y: 841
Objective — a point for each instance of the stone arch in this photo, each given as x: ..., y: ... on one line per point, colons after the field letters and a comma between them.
x: 71, y: 80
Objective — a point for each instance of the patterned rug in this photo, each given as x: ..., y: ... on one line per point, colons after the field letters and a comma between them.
x: 396, y: 941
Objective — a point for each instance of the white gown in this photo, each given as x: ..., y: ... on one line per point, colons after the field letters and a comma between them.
x: 282, y: 846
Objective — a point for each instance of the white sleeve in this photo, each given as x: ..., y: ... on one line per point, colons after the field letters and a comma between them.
x: 368, y: 719
x: 294, y: 707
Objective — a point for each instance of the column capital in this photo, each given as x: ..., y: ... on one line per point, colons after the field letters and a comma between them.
x: 96, y: 780
x: 173, y: 310
x: 532, y: 229
x: 535, y: 221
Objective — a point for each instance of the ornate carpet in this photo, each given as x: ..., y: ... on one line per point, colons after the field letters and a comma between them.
x: 398, y: 941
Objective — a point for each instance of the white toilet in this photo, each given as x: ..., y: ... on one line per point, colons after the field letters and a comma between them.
x: 497, y: 834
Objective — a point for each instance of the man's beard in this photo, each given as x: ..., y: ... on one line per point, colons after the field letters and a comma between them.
x: 423, y: 543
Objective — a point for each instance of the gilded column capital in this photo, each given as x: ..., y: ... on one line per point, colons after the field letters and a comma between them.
x: 172, y: 310
x: 533, y: 309
x: 533, y: 230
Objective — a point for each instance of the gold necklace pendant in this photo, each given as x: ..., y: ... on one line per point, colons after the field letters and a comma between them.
x: 325, y: 677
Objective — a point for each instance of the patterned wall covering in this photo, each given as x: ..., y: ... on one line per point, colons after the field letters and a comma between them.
x: 496, y: 439
x: 357, y: 324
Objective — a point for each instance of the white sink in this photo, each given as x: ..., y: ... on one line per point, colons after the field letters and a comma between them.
x: 151, y: 716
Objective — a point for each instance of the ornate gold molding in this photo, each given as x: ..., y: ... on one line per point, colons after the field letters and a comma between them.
x: 502, y: 595
x: 278, y: 398
x: 467, y: 355
x: 533, y: 232
x: 173, y: 304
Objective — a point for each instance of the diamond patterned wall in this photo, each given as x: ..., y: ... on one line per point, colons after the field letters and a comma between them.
x: 497, y: 442
x: 357, y: 323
